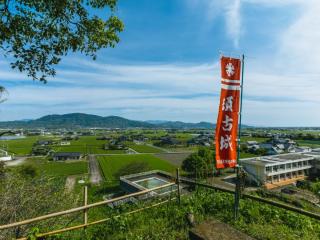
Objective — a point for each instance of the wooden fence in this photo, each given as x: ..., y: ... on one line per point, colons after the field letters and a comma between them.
x: 85, y: 209
x: 178, y: 179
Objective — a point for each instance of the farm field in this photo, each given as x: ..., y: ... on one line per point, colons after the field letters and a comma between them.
x: 309, y: 143
x: 86, y: 144
x: 82, y: 145
x: 145, y: 148
x: 21, y: 146
x: 112, y: 165
x: 183, y: 137
x: 183, y: 149
x: 173, y: 158
x: 94, y: 149
x: 258, y: 139
x: 177, y: 158
x: 58, y: 169
x: 64, y: 169
x: 247, y: 155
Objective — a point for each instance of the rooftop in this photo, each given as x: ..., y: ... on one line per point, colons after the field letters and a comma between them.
x: 67, y: 154
x: 281, y: 158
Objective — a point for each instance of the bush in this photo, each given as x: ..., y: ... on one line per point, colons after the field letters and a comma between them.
x: 28, y: 171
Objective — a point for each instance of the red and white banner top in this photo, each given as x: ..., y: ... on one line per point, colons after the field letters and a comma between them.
x: 227, y: 122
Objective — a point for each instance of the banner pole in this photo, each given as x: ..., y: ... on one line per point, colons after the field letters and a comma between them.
x: 240, y: 111
x: 238, y: 166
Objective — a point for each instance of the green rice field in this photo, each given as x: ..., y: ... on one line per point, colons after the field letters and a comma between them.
x: 85, y: 144
x: 309, y: 143
x: 64, y: 169
x: 21, y: 146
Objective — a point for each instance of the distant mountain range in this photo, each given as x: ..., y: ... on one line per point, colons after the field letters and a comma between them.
x: 82, y: 120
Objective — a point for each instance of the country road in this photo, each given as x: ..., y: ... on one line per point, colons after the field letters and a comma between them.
x: 95, y: 175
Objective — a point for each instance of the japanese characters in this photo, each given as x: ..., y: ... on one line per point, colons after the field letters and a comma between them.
x: 227, y: 122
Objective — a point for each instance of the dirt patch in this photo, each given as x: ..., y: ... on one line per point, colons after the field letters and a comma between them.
x: 173, y: 158
x: 70, y: 182
x: 215, y: 230
x: 95, y: 175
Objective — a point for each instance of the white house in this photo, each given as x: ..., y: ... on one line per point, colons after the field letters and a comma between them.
x: 302, y: 149
x: 253, y: 145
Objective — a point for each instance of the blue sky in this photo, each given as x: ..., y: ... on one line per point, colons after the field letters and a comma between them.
x: 167, y: 65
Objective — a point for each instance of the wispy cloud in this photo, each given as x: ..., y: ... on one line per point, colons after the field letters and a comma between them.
x: 233, y: 21
x: 229, y: 9
x: 152, y: 91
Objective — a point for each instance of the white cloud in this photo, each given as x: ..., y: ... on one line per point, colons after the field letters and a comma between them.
x: 299, y: 44
x: 229, y: 9
x: 161, y: 91
x: 233, y: 21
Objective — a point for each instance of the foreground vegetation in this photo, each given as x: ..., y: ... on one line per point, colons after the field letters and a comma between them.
x: 24, y: 194
x: 19, y: 191
x: 169, y: 221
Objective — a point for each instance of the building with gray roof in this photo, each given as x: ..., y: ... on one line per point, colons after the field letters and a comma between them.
x: 282, y: 169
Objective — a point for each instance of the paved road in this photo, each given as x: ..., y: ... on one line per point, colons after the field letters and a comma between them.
x: 95, y: 175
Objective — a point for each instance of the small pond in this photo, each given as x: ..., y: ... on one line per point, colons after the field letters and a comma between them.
x: 11, y: 137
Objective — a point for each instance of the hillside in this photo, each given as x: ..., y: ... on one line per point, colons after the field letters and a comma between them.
x: 82, y: 120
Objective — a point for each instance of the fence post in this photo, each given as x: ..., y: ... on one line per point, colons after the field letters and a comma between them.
x: 237, y: 192
x: 85, y: 203
x: 178, y: 184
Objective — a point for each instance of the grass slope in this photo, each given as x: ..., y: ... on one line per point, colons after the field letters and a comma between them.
x: 110, y: 165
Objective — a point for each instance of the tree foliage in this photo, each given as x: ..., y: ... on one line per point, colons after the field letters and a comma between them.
x: 200, y: 163
x: 37, y: 33
x: 3, y: 91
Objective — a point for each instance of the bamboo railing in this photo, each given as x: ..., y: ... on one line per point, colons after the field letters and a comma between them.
x: 178, y: 180
x: 82, y: 208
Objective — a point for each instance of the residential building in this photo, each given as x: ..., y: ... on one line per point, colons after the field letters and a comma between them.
x: 253, y: 145
x: 278, y: 145
x: 301, y: 149
x: 63, y: 156
x: 44, y: 142
x: 115, y: 146
x: 279, y: 170
x: 4, y: 156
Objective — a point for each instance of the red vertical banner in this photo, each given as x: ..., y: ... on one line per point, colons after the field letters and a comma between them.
x: 227, y: 122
